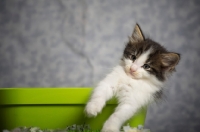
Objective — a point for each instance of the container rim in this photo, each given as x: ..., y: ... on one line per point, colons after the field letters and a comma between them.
x: 46, y: 96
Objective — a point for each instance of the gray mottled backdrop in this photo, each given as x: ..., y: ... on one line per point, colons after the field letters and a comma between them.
x: 58, y: 43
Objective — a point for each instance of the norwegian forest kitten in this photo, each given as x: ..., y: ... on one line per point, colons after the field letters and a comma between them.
x: 135, y: 82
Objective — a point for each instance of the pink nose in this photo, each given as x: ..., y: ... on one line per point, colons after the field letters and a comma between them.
x: 133, y: 68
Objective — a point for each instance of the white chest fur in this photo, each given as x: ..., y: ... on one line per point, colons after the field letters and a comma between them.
x: 131, y: 94
x: 132, y: 90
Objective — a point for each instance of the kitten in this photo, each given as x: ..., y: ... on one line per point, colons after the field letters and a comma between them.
x: 135, y: 82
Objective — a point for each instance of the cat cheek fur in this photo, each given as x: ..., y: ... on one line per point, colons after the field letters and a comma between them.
x: 146, y: 74
x: 126, y: 63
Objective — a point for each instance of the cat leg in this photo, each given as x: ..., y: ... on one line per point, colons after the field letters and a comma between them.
x: 122, y: 113
x: 100, y: 95
x: 126, y: 109
x: 103, y: 92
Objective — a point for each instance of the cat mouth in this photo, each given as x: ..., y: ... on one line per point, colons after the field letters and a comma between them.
x: 131, y: 74
x: 134, y: 75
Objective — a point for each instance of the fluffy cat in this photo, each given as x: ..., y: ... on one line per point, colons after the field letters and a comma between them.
x: 135, y: 82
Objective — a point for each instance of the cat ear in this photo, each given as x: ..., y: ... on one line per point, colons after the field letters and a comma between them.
x: 137, y: 34
x: 170, y: 60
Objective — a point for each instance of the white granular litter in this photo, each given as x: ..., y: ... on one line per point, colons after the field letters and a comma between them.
x: 75, y: 128
x: 135, y: 129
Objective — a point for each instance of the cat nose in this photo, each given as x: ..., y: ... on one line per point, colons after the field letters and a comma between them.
x: 133, y: 68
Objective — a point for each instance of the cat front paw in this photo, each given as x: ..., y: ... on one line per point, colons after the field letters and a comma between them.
x: 111, y: 125
x: 93, y: 108
x: 110, y: 129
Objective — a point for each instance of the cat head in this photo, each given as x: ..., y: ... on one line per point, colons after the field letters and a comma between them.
x: 146, y: 59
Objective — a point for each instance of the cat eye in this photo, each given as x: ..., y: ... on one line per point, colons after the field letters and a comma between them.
x: 133, y: 57
x: 146, y: 66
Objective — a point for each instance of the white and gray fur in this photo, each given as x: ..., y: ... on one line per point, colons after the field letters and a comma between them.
x: 135, y: 82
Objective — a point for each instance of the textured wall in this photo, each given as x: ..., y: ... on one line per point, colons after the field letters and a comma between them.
x: 57, y: 43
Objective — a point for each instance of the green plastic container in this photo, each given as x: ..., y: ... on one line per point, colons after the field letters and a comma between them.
x: 52, y: 108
